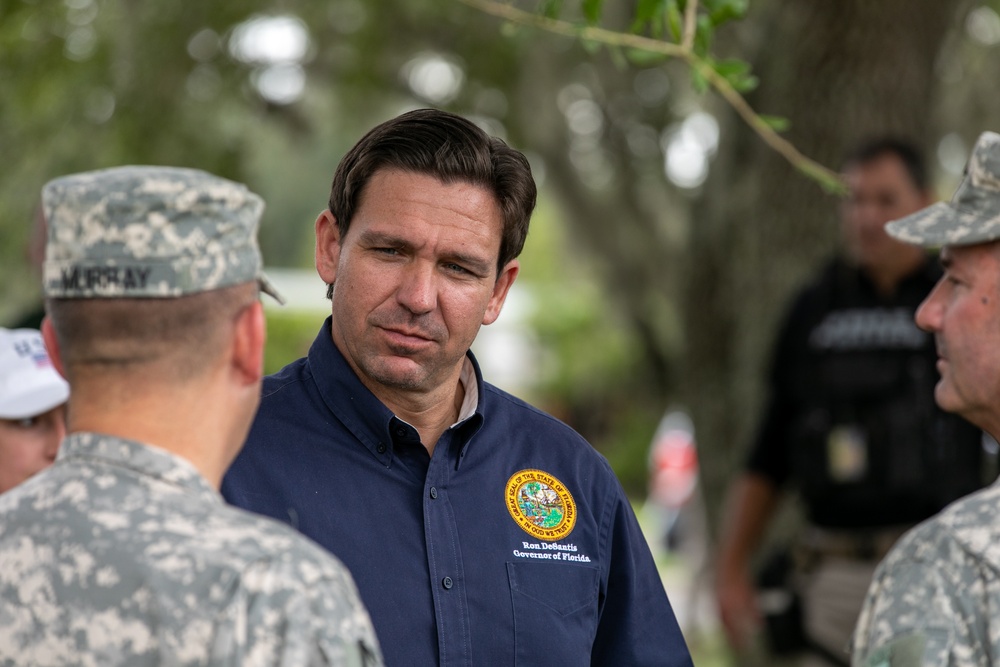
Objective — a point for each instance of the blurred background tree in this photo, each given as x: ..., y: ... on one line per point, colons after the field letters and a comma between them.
x: 668, y: 234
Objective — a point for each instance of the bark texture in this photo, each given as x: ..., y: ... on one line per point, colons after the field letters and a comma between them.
x: 843, y: 72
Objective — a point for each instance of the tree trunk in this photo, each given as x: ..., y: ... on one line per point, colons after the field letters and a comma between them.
x: 845, y: 71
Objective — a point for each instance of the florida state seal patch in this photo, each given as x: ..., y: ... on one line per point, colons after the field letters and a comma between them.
x: 540, y: 504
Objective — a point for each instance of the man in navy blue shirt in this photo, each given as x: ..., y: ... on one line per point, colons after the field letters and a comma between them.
x: 480, y: 530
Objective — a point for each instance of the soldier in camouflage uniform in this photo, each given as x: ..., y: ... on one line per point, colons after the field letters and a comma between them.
x: 934, y: 598
x: 123, y: 552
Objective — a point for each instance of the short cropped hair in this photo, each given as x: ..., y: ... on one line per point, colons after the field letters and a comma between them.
x: 907, y: 151
x: 125, y: 335
x: 450, y: 148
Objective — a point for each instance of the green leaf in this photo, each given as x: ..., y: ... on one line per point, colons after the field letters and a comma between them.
x: 510, y: 29
x: 703, y: 33
x: 592, y: 10
x: 645, y: 10
x: 776, y: 123
x: 649, y: 13
x: 737, y: 73
x: 832, y: 185
x: 731, y: 67
x: 591, y: 46
x: 744, y: 84
x: 550, y: 8
x: 674, y: 19
x: 644, y: 58
x: 618, y: 57
x: 698, y: 80
x: 721, y: 11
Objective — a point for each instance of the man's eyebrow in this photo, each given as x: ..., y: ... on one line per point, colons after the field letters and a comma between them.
x: 373, y: 238
x: 472, y: 263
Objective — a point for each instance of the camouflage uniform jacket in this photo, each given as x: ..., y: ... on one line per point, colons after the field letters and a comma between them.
x: 122, y: 554
x: 935, y: 598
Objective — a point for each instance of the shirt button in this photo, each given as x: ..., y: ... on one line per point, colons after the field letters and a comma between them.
x: 447, y: 583
x: 401, y: 431
x: 434, y: 493
x: 381, y: 448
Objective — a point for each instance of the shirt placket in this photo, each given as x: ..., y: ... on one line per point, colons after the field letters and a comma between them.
x: 444, y: 558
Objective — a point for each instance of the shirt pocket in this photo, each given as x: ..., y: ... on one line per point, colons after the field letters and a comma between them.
x: 555, y: 612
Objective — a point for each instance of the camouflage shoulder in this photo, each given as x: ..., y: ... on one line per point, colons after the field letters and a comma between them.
x: 967, y: 529
x: 323, y: 616
x: 974, y: 523
x: 926, y: 648
x: 925, y: 602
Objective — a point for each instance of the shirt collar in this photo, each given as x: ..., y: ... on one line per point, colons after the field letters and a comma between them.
x: 354, y: 405
x: 137, y: 457
x: 470, y: 381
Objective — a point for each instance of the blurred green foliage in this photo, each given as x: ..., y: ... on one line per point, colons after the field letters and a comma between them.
x: 289, y: 335
x: 86, y: 84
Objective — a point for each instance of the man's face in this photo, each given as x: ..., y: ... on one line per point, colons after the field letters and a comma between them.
x: 880, y: 190
x: 963, y: 313
x: 414, y: 279
x: 27, y: 446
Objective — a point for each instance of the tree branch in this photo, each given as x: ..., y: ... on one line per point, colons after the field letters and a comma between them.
x: 568, y: 29
x: 814, y: 170
x: 690, y: 23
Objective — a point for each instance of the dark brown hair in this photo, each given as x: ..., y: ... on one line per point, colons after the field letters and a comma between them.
x: 450, y: 148
x: 905, y: 150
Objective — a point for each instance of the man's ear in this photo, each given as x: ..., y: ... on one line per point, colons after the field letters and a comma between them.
x: 500, y: 290
x: 249, y: 335
x: 52, y: 345
x: 327, y: 246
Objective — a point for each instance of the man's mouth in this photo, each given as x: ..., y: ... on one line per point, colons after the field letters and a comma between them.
x: 406, y: 337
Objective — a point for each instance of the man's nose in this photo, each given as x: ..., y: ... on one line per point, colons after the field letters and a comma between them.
x: 928, y: 315
x: 418, y: 291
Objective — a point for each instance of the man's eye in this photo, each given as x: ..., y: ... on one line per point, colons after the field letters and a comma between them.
x: 27, y: 422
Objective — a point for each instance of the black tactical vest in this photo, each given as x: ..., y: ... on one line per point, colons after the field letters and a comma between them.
x: 867, y: 443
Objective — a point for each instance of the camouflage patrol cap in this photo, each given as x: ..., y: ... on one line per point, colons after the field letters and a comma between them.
x: 973, y: 214
x: 150, y: 232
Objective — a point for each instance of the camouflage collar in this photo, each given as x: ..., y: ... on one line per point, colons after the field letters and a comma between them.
x: 138, y: 457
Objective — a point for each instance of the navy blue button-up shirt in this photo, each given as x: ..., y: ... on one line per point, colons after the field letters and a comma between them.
x: 513, y: 544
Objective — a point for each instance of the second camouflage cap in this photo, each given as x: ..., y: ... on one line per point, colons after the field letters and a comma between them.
x: 143, y: 231
x: 973, y: 214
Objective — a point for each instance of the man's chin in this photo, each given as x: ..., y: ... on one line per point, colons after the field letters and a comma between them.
x: 397, y: 373
x: 946, y: 399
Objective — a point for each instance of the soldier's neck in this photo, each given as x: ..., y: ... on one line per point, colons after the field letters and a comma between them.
x: 186, y: 423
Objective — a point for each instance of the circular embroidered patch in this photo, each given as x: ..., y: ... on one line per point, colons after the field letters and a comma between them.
x: 540, y: 504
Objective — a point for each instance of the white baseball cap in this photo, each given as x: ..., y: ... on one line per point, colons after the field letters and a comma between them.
x: 29, y: 385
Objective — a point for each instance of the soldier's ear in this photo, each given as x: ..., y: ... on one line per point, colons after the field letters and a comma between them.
x: 249, y: 334
x: 52, y: 346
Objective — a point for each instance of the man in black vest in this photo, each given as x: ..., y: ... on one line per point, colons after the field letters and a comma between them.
x: 851, y: 421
